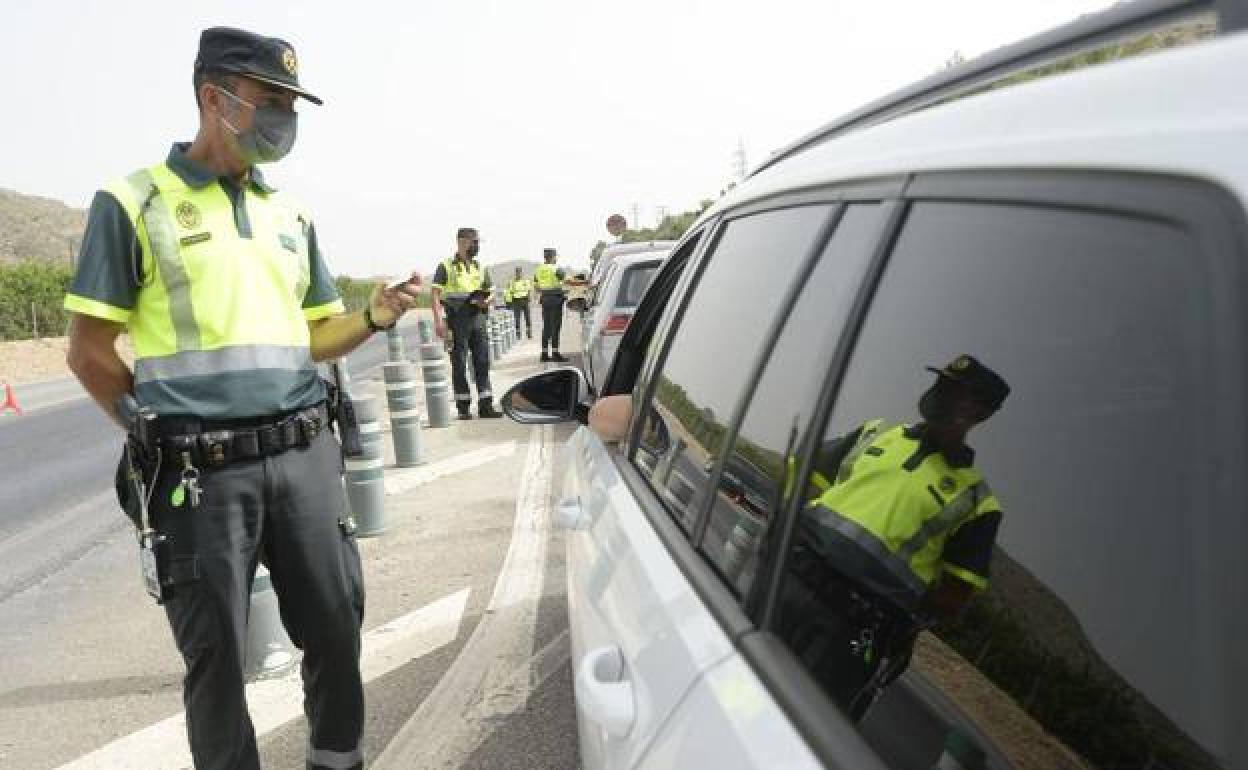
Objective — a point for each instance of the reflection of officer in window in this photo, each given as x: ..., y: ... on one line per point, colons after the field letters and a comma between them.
x: 902, y: 528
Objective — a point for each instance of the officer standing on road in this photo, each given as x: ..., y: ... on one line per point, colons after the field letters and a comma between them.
x: 549, y: 280
x: 218, y: 279
x: 461, y: 299
x: 900, y: 532
x: 519, y: 293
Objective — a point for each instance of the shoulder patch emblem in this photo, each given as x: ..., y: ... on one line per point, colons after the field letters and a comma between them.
x: 188, y: 215
x: 290, y: 62
x: 948, y: 485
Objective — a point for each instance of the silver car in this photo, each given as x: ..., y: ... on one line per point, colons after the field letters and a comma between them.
x: 612, y: 303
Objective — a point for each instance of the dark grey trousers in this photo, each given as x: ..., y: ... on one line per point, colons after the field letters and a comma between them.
x: 469, y: 335
x: 286, y: 511
x: 552, y: 321
x: 519, y: 309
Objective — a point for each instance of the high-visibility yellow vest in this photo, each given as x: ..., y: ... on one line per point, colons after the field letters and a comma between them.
x: 520, y: 289
x: 547, y: 278
x: 218, y: 328
x: 899, y: 517
x: 461, y: 279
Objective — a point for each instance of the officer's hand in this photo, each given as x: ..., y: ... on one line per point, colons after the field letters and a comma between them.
x: 439, y: 328
x: 389, y: 303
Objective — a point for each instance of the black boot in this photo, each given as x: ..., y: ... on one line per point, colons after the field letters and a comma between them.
x: 485, y: 409
x: 545, y: 356
x: 555, y: 356
x: 465, y: 409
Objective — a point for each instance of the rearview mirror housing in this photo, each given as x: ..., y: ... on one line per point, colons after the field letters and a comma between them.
x: 551, y: 396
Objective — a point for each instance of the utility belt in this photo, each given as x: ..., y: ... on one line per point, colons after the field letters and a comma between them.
x: 214, y: 443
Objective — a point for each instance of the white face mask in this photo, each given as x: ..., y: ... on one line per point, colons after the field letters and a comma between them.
x: 272, y: 132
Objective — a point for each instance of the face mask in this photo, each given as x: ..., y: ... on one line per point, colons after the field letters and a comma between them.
x: 271, y: 136
x: 473, y: 249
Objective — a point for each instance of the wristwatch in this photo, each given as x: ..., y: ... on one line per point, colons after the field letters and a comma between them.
x: 373, y: 325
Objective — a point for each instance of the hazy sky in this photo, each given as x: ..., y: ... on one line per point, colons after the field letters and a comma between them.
x: 532, y: 121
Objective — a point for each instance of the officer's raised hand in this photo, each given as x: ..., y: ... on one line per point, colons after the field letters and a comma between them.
x: 388, y: 303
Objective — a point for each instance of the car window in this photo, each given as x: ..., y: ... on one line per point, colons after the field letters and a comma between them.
x: 713, y: 349
x: 1068, y: 566
x: 634, y: 282
x: 751, y: 485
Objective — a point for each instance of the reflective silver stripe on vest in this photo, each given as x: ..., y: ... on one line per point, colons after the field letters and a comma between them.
x: 334, y: 760
x: 950, y: 516
x: 236, y: 358
x: 867, y: 541
x: 163, y: 240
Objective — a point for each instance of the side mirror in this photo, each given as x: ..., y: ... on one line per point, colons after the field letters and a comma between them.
x: 551, y: 396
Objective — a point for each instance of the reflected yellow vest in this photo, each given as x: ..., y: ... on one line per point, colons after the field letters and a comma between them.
x: 903, y: 517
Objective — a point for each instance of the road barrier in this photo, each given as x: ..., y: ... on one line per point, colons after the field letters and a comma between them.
x: 366, y: 490
x: 433, y: 371
x: 402, y: 397
x: 394, y: 341
x: 269, y: 652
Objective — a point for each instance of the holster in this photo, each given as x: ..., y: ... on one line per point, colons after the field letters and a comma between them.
x: 342, y: 414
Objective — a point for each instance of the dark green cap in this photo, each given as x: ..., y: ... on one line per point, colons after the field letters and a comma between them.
x: 979, y: 379
x: 239, y: 52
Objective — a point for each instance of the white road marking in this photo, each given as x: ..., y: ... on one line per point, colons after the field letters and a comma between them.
x: 494, y: 673
x: 274, y: 702
x: 402, y: 480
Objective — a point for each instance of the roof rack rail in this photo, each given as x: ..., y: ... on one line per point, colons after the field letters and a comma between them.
x: 1084, y: 32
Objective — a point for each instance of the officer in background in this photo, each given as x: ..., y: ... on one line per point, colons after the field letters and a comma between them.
x: 461, y: 299
x: 519, y: 293
x: 900, y: 533
x: 549, y: 280
x: 218, y: 279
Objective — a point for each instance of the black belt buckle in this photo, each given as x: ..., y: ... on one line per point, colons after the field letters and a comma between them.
x: 215, y: 446
x: 311, y: 426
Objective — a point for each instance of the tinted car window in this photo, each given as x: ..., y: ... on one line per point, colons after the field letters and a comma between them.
x: 752, y: 482
x: 1099, y: 633
x: 633, y: 284
x: 712, y: 350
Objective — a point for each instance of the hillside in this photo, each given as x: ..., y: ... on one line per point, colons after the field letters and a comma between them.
x: 40, y: 229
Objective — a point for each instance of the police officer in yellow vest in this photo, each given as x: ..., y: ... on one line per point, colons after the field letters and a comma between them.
x: 519, y: 292
x: 218, y: 279
x: 461, y: 300
x: 549, y: 280
x: 900, y: 532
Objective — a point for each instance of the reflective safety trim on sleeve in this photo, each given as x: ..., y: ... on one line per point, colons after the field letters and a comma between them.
x: 957, y: 509
x: 867, y: 541
x: 163, y: 240
x: 96, y: 309
x: 334, y: 760
x: 236, y: 358
x: 979, y: 582
x: 485, y: 394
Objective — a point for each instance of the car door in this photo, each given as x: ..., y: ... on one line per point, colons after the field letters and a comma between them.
x: 590, y: 321
x: 731, y: 718
x: 640, y: 632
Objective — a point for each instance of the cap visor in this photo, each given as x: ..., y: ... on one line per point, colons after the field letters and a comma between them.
x: 293, y: 89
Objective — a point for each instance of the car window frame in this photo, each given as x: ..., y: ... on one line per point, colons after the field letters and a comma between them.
x: 830, y: 736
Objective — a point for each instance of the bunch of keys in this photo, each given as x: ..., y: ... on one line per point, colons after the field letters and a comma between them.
x: 189, y: 484
x: 864, y: 646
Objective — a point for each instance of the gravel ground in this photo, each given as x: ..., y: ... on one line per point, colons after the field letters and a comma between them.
x: 25, y: 361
